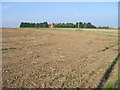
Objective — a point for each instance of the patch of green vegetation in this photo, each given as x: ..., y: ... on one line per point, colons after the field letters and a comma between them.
x: 112, y: 85
x: 69, y: 77
x: 111, y: 32
x: 41, y: 76
x: 78, y: 30
x: 66, y: 30
x: 86, y: 57
x: 91, y: 73
x: 56, y: 29
x: 78, y: 72
x: 12, y: 48
x: 55, y: 78
x: 119, y: 76
x: 62, y: 88
x: 109, y: 86
x: 86, y: 81
x: 39, y: 45
x: 110, y: 46
x: 4, y: 48
x: 103, y: 32
x: 69, y: 84
x: 85, y: 72
x: 7, y: 48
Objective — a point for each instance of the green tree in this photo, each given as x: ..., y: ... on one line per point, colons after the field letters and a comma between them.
x: 45, y: 25
x: 22, y: 24
x: 85, y: 25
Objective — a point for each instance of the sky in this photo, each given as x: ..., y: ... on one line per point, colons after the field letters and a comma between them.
x: 98, y: 13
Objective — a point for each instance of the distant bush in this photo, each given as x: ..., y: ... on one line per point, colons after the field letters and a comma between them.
x: 105, y: 27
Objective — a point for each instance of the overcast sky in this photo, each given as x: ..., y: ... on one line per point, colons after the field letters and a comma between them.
x: 98, y: 13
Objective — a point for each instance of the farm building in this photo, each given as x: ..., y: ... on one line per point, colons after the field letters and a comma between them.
x: 51, y: 25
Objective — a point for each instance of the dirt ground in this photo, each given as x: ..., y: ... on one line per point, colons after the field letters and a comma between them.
x: 55, y: 59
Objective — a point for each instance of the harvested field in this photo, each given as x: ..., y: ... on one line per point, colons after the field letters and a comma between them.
x: 34, y: 58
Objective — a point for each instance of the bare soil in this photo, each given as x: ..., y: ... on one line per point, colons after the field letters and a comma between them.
x: 55, y: 59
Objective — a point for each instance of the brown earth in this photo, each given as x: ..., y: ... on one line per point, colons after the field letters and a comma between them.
x: 54, y: 59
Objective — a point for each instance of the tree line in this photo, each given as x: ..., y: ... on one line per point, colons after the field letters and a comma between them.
x: 64, y: 25
x: 59, y: 25
x: 33, y: 25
